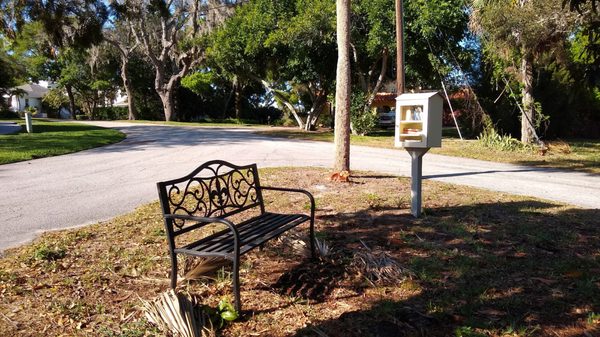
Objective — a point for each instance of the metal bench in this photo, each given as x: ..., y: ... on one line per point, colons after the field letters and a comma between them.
x: 210, y: 195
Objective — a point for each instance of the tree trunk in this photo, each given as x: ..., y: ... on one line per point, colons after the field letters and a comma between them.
x: 294, y: 113
x: 71, y: 97
x: 165, y: 91
x: 320, y: 98
x: 284, y: 100
x: 229, y: 97
x: 166, y: 97
x: 527, y: 129
x: 238, y: 99
x: 380, y: 79
x: 132, y: 115
x: 93, y: 113
x: 342, y: 88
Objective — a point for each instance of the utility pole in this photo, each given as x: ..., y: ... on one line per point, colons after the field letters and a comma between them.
x: 399, y: 48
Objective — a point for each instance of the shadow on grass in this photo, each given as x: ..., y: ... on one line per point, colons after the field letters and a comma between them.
x: 54, y: 138
x: 529, y: 267
x: 580, y: 165
x: 62, y: 127
x: 43, y: 126
x: 578, y: 155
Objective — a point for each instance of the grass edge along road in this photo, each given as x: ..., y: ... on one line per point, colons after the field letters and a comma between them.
x: 227, y: 123
x: 51, y: 138
x: 478, y: 263
x: 576, y: 155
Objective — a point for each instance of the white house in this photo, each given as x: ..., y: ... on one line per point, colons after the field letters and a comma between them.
x: 119, y: 100
x: 31, y: 97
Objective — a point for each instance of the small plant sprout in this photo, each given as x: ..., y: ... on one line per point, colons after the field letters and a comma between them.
x: 593, y: 318
x: 47, y: 253
x: 226, y: 311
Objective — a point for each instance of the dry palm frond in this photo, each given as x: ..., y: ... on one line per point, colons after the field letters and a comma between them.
x: 299, y: 243
x: 379, y: 267
x: 178, y: 315
x: 196, y: 268
x: 322, y: 248
x: 318, y: 331
x: 295, y: 240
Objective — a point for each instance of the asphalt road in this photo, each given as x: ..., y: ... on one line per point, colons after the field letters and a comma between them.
x: 98, y: 184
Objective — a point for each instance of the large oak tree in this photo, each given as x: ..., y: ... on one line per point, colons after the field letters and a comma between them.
x: 516, y: 34
x: 169, y: 32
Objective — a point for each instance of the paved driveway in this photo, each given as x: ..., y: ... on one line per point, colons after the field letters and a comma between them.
x: 6, y: 128
x: 97, y: 184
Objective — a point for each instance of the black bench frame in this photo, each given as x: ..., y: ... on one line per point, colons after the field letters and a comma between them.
x: 210, y: 194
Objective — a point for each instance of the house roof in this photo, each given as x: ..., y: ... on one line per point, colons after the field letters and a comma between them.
x: 417, y: 95
x: 384, y: 99
x: 33, y: 90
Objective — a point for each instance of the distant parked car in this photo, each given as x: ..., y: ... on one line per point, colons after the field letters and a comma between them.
x: 387, y: 119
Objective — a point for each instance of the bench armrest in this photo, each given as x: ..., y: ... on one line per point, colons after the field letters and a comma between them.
x: 295, y: 190
x: 204, y: 221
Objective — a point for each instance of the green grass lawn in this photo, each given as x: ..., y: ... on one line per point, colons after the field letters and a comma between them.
x: 52, y: 139
x: 578, y: 155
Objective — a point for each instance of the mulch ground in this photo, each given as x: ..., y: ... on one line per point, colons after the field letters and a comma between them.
x: 477, y: 263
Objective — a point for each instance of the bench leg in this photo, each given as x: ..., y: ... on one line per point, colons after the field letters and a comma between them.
x: 312, y: 238
x: 236, y: 284
x: 173, y: 270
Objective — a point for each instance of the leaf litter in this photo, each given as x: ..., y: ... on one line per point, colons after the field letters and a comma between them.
x: 471, y: 263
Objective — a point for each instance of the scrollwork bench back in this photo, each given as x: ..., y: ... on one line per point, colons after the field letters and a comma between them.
x: 212, y: 194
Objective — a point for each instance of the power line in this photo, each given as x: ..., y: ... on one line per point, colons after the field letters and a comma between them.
x: 445, y: 91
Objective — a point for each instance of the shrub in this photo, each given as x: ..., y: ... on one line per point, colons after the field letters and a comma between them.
x: 111, y: 113
x: 361, y: 118
x: 264, y: 115
x: 29, y: 109
x: 489, y: 137
x: 286, y: 121
x: 6, y: 113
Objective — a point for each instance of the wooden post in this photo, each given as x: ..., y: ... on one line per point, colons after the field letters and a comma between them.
x: 400, y: 87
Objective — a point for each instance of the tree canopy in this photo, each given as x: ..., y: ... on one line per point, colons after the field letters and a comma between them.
x: 224, y: 58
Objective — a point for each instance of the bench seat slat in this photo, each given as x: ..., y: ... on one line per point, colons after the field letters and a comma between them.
x: 253, y: 233
x: 244, y: 229
x: 255, y: 228
x: 210, y: 241
x: 215, y: 236
x: 258, y: 240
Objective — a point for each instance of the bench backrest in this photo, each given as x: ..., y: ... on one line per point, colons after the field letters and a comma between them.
x: 215, y: 189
